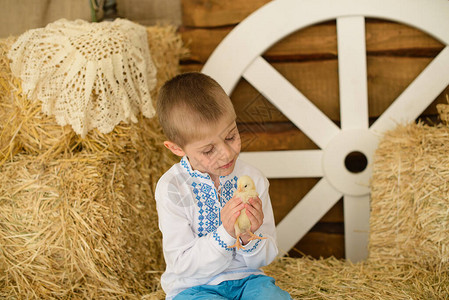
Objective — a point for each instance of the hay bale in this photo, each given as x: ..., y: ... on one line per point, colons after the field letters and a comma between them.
x: 410, y: 196
x: 82, y: 226
x: 8, y: 92
x: 60, y: 227
x: 113, y: 248
x: 23, y: 127
x: 28, y: 130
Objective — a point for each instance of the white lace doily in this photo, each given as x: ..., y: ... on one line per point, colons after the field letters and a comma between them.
x: 88, y: 75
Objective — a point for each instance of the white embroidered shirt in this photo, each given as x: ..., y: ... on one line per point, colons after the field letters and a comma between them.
x: 195, y: 243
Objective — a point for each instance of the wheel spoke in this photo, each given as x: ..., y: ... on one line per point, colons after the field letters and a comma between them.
x: 292, y: 103
x: 356, y: 215
x: 305, y: 214
x: 352, y: 72
x: 286, y: 164
x: 418, y: 95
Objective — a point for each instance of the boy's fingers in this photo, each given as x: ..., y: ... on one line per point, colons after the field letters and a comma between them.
x: 257, y: 213
x: 236, y: 208
x: 235, y: 215
x: 256, y: 202
x: 255, y: 207
x: 239, y: 207
x: 234, y: 202
x: 253, y: 215
x: 234, y: 212
x: 250, y: 215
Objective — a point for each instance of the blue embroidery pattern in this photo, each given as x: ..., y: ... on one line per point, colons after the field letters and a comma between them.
x: 192, y: 173
x: 207, y: 199
x: 254, y: 247
x: 208, y: 208
x: 228, y: 188
x: 221, y: 243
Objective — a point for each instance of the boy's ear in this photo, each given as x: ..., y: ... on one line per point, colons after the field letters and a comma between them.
x: 174, y: 148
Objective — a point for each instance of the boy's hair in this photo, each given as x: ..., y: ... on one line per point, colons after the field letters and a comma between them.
x: 189, y: 102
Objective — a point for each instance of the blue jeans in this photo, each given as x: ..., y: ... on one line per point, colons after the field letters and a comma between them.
x: 252, y: 287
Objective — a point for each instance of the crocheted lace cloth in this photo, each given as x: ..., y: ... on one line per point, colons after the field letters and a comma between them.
x: 88, y: 75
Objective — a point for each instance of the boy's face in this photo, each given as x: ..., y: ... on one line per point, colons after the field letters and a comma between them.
x: 216, y: 152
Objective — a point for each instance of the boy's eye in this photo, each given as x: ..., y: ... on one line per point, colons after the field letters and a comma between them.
x: 230, y: 138
x: 209, y: 152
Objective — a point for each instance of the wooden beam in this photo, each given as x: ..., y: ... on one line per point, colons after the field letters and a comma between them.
x: 273, y: 137
x: 212, y: 13
x: 382, y: 38
x: 320, y: 244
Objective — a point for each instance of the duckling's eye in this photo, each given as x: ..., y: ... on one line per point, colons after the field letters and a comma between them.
x: 246, y: 185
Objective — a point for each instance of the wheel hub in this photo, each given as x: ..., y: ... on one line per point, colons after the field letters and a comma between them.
x: 336, y: 153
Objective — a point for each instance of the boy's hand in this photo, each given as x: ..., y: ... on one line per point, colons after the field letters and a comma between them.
x: 230, y: 213
x: 255, y: 214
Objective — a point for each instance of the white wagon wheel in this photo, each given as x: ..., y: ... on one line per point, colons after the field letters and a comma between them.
x: 239, y: 55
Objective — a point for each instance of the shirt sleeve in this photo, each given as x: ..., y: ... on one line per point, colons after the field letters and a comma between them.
x: 186, y: 254
x: 259, y: 253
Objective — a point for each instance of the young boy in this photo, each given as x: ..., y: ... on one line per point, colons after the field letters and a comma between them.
x: 194, y: 199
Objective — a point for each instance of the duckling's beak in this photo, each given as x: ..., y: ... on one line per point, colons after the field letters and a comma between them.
x: 239, y: 189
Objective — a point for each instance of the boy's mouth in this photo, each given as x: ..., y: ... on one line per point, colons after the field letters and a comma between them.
x: 228, y: 165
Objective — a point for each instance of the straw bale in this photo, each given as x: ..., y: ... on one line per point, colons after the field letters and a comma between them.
x: 145, y: 164
x: 22, y: 125
x: 8, y: 90
x: 143, y: 238
x: 166, y: 47
x: 60, y: 227
x: 410, y: 196
x: 27, y: 129
x: 80, y: 226
x: 106, y: 246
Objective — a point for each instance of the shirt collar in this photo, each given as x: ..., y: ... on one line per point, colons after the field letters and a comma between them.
x: 197, y: 174
x: 194, y: 173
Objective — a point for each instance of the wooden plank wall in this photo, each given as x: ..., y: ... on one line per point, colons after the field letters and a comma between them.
x: 308, y: 58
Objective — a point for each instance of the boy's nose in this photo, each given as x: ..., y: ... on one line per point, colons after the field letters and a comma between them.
x: 227, y: 153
